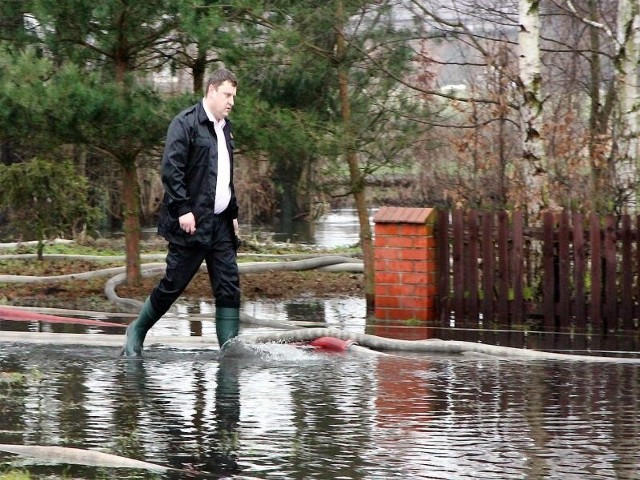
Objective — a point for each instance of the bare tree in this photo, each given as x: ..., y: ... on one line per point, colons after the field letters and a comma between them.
x: 564, y: 72
x: 491, y: 77
x: 614, y: 29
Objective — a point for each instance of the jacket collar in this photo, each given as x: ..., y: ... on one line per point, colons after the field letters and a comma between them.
x: 203, y: 117
x: 202, y: 114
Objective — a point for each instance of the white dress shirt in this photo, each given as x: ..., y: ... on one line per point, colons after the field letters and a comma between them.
x: 223, y: 183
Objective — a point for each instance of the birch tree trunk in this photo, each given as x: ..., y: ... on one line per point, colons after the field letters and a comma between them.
x: 629, y: 94
x: 530, y: 85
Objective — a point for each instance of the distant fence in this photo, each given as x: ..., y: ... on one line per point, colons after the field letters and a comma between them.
x: 574, y: 271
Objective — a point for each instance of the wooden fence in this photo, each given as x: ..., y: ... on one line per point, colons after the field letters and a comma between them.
x: 574, y: 271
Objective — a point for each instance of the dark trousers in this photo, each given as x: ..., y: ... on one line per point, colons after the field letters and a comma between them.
x: 184, y: 262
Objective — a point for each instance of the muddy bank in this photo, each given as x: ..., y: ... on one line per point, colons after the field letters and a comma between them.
x: 89, y: 294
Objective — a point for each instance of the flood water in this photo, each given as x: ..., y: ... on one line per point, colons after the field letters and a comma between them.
x: 338, y: 228
x: 281, y: 412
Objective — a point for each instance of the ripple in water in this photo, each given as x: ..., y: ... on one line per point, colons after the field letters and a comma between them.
x: 279, y: 411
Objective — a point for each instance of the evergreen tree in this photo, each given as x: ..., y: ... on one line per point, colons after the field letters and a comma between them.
x: 205, y: 31
x: 122, y: 41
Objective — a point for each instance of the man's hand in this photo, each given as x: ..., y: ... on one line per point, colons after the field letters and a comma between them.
x: 236, y: 235
x: 188, y: 223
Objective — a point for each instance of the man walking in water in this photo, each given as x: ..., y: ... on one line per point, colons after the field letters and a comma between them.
x: 199, y: 213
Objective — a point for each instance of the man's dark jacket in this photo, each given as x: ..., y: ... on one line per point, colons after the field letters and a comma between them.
x: 189, y: 173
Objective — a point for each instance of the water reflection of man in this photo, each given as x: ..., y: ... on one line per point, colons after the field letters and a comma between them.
x: 223, y: 452
x: 218, y: 438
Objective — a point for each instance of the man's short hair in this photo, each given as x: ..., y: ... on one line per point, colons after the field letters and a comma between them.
x: 220, y: 76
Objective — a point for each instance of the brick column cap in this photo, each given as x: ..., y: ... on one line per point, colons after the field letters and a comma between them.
x: 402, y: 215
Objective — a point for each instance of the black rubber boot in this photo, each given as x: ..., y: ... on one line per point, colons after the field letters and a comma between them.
x: 227, y: 324
x: 137, y: 330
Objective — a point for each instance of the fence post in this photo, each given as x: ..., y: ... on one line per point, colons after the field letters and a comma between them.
x: 405, y: 270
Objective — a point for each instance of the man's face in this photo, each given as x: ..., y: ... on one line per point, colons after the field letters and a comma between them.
x: 220, y: 100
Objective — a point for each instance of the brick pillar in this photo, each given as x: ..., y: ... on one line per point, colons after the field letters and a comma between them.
x: 405, y: 269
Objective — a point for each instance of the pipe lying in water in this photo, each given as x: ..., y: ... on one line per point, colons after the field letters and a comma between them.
x: 20, y: 315
x: 80, y: 456
x: 362, y: 343
x: 427, y: 346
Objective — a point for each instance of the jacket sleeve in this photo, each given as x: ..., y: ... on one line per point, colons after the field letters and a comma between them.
x: 174, y: 167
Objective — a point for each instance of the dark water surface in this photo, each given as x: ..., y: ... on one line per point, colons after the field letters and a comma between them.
x: 280, y: 412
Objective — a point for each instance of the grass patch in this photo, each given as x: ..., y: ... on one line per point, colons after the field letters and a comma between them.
x: 51, y: 266
x: 14, y: 474
x: 110, y: 247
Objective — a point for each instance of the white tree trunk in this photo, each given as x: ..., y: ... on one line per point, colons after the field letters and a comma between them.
x: 629, y: 93
x: 530, y: 85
